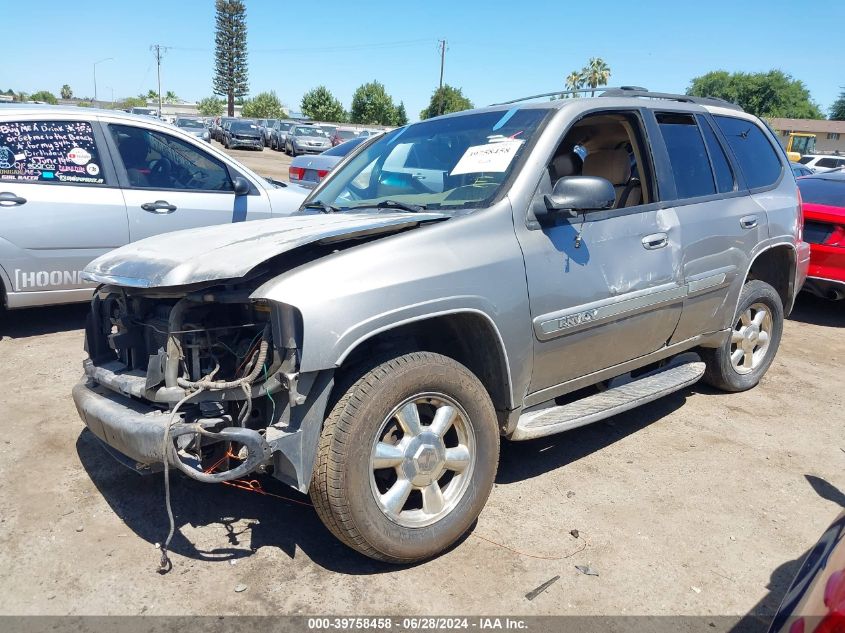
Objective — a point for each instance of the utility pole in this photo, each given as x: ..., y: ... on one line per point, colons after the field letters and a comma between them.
x: 442, y: 64
x: 158, y: 48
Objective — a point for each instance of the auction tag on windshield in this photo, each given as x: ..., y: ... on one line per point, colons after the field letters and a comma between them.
x: 490, y: 157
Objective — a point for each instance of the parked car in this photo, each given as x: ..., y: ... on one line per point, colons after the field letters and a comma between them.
x: 823, y: 203
x: 195, y: 127
x: 221, y: 126
x: 77, y: 182
x: 267, y: 130
x: 279, y: 135
x: 308, y: 171
x: 815, y: 601
x: 513, y: 270
x: 341, y: 135
x: 243, y: 133
x: 304, y: 139
x: 799, y: 170
x: 820, y: 163
x: 328, y: 129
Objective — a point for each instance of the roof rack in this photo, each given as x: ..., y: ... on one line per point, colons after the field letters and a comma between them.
x: 631, y: 91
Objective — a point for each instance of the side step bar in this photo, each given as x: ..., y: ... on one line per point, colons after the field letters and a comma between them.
x: 608, y: 403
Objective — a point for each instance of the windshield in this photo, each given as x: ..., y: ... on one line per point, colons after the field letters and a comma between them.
x: 243, y: 127
x: 344, y: 148
x: 308, y: 131
x: 450, y: 163
x: 191, y: 123
x: 346, y: 134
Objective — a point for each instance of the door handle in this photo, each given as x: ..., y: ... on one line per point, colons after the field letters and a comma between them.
x: 159, y: 206
x: 655, y: 241
x: 8, y: 199
x: 748, y: 222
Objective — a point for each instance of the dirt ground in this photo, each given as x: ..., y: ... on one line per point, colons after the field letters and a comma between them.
x: 700, y: 503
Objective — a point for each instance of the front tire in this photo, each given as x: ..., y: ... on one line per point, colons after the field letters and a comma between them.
x: 407, y: 458
x: 743, y: 359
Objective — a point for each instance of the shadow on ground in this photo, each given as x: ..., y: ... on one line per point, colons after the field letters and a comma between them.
x: 763, y: 613
x: 45, y: 320
x: 816, y: 311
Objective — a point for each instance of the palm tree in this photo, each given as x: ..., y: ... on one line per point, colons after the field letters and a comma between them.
x: 574, y: 81
x: 596, y: 74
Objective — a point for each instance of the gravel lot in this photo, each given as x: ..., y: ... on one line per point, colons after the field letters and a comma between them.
x: 701, y: 503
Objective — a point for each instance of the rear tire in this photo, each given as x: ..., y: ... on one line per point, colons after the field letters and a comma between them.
x: 407, y: 458
x: 746, y: 355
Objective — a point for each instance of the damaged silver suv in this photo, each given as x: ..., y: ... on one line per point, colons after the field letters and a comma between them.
x: 518, y: 270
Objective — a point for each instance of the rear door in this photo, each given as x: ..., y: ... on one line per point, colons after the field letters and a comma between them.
x: 171, y: 183
x: 721, y: 224
x: 60, y: 206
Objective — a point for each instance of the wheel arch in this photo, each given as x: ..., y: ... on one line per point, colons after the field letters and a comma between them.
x: 468, y: 336
x: 776, y: 265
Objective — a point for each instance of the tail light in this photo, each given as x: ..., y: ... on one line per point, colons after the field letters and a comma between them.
x: 321, y: 173
x: 296, y: 173
x: 836, y: 237
x: 800, y: 217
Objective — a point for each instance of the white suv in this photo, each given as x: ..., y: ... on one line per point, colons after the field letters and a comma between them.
x: 820, y: 163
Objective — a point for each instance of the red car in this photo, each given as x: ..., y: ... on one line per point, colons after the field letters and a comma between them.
x: 823, y: 197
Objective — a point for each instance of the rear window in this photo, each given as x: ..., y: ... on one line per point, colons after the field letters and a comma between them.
x: 756, y: 157
x: 823, y: 191
x: 687, y: 155
x: 805, y: 159
x: 830, y: 162
x: 344, y: 148
x: 50, y: 151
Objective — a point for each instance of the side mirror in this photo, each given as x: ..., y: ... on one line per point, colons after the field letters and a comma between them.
x: 240, y: 185
x: 580, y: 193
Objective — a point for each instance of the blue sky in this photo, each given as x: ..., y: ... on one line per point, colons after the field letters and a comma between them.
x: 496, y: 50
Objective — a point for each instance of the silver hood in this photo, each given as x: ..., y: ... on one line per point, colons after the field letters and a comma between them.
x: 230, y: 251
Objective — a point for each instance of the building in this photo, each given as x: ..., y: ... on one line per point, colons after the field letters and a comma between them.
x: 830, y: 135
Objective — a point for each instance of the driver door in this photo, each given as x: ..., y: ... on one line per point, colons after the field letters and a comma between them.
x: 171, y: 184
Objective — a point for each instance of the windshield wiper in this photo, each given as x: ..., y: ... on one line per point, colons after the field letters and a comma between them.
x: 322, y: 207
x: 393, y: 204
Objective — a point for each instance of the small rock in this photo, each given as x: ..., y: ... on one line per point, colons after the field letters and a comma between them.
x: 587, y: 570
x: 574, y: 533
x: 696, y: 589
x: 240, y: 587
x: 79, y: 528
x: 570, y: 494
x: 232, y: 561
x: 733, y: 538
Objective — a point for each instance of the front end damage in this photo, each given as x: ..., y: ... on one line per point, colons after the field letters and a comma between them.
x: 206, y: 379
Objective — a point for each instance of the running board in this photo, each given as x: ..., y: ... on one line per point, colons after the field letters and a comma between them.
x: 608, y: 403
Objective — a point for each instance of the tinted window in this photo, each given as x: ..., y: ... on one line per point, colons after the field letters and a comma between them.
x: 756, y: 157
x: 805, y: 159
x: 50, y: 151
x: 687, y: 155
x: 721, y: 166
x: 830, y: 162
x: 823, y: 191
x: 344, y: 148
x: 241, y: 127
x: 160, y: 161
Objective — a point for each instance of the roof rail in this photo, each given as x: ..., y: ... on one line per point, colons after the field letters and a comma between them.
x: 561, y: 93
x: 633, y: 91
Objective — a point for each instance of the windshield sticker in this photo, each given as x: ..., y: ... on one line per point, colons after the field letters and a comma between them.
x: 492, y: 157
x: 79, y: 156
x: 92, y: 168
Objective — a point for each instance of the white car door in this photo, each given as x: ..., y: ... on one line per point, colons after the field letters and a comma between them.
x: 172, y: 183
x: 60, y: 206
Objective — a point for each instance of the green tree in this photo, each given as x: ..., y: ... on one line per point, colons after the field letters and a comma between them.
x: 230, y: 56
x: 170, y: 97
x: 67, y: 93
x: 771, y: 94
x: 837, y: 110
x: 575, y: 81
x: 44, y: 95
x: 401, y: 116
x: 151, y: 95
x: 445, y: 100
x: 596, y: 73
x: 321, y: 105
x: 133, y: 102
x: 265, y: 105
x: 371, y: 105
x: 210, y: 106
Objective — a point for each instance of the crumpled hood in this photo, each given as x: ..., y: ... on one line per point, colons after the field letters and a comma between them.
x: 229, y: 251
